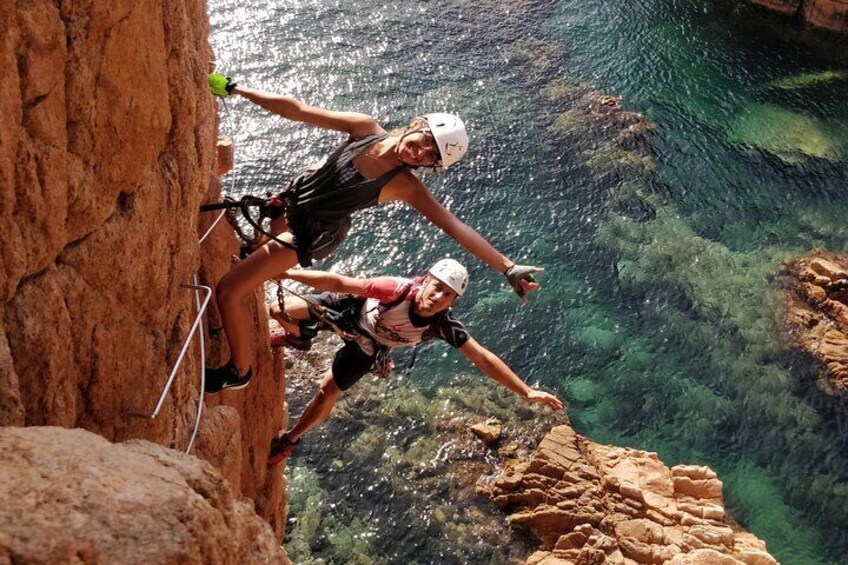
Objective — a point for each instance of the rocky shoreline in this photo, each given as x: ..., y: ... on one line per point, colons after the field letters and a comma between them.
x: 816, y: 314
x: 476, y: 448
x: 591, y: 503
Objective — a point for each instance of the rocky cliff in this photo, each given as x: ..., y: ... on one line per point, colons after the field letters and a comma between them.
x: 592, y: 504
x: 70, y: 496
x: 107, y: 150
x: 816, y: 314
x: 827, y: 14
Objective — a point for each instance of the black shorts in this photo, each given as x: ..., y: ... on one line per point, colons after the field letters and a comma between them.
x: 350, y: 364
x: 314, y: 240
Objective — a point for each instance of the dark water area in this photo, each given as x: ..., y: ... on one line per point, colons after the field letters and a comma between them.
x: 658, y: 321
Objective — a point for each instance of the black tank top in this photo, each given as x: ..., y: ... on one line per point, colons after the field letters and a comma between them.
x: 332, y: 190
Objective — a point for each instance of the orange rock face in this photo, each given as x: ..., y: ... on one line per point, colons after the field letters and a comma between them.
x: 108, y: 148
x: 816, y: 314
x: 827, y: 14
x: 591, y: 503
x: 786, y: 6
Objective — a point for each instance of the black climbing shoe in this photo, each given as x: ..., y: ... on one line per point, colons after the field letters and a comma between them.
x: 226, y: 377
x: 281, y: 448
x: 280, y: 338
x: 297, y: 342
x: 245, y: 250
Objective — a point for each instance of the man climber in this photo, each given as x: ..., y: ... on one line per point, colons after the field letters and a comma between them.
x: 373, y: 316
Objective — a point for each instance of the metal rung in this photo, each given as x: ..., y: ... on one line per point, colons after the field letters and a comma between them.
x: 202, y: 365
x: 178, y: 362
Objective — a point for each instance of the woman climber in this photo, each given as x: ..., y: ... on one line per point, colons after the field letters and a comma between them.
x: 312, y: 214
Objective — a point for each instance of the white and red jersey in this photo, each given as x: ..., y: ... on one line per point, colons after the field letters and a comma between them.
x: 388, y: 316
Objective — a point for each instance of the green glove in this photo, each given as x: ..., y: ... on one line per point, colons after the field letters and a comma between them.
x: 221, y: 85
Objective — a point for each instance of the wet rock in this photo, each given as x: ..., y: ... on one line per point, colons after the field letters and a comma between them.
x: 827, y: 14
x: 489, y: 433
x: 815, y: 314
x: 70, y: 496
x: 611, y: 504
x: 784, y: 6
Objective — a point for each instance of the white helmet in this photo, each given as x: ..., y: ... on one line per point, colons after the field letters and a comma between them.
x: 450, y: 135
x: 452, y: 273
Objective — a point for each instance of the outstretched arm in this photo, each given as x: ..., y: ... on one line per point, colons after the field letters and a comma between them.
x: 328, y: 282
x: 417, y: 195
x: 422, y: 200
x: 494, y: 368
x: 352, y: 123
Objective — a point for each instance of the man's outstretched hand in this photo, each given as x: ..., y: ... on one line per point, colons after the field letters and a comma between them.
x: 542, y: 397
x: 522, y: 280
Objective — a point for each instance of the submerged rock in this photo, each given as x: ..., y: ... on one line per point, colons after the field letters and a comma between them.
x: 70, y: 496
x: 790, y: 136
x: 396, y: 470
x: 488, y: 432
x: 805, y: 80
x: 816, y: 314
x: 591, y: 503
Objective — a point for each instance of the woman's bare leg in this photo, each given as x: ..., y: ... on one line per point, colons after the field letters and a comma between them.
x: 318, y: 408
x: 296, y: 309
x: 267, y: 261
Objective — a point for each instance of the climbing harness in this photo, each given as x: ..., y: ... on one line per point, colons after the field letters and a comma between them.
x: 336, y: 321
x: 329, y: 316
x: 267, y: 208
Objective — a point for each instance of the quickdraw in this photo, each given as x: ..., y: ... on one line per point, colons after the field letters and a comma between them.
x: 383, y: 364
x: 243, y: 205
x: 232, y: 219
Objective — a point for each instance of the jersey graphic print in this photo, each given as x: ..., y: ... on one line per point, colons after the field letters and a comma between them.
x: 388, y: 316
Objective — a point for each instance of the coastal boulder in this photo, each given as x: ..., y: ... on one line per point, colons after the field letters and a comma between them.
x: 826, y: 14
x: 815, y: 314
x: 592, y: 503
x: 70, y: 496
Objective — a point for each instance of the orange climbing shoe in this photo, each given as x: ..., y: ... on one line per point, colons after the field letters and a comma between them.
x: 281, y: 448
x: 276, y: 333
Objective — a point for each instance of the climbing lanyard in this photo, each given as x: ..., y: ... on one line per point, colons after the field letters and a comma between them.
x: 244, y: 204
x: 382, y: 359
x: 327, y: 315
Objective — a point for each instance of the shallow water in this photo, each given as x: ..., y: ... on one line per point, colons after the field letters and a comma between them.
x: 660, y: 333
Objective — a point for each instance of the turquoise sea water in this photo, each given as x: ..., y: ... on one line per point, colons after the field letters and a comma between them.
x: 659, y: 328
